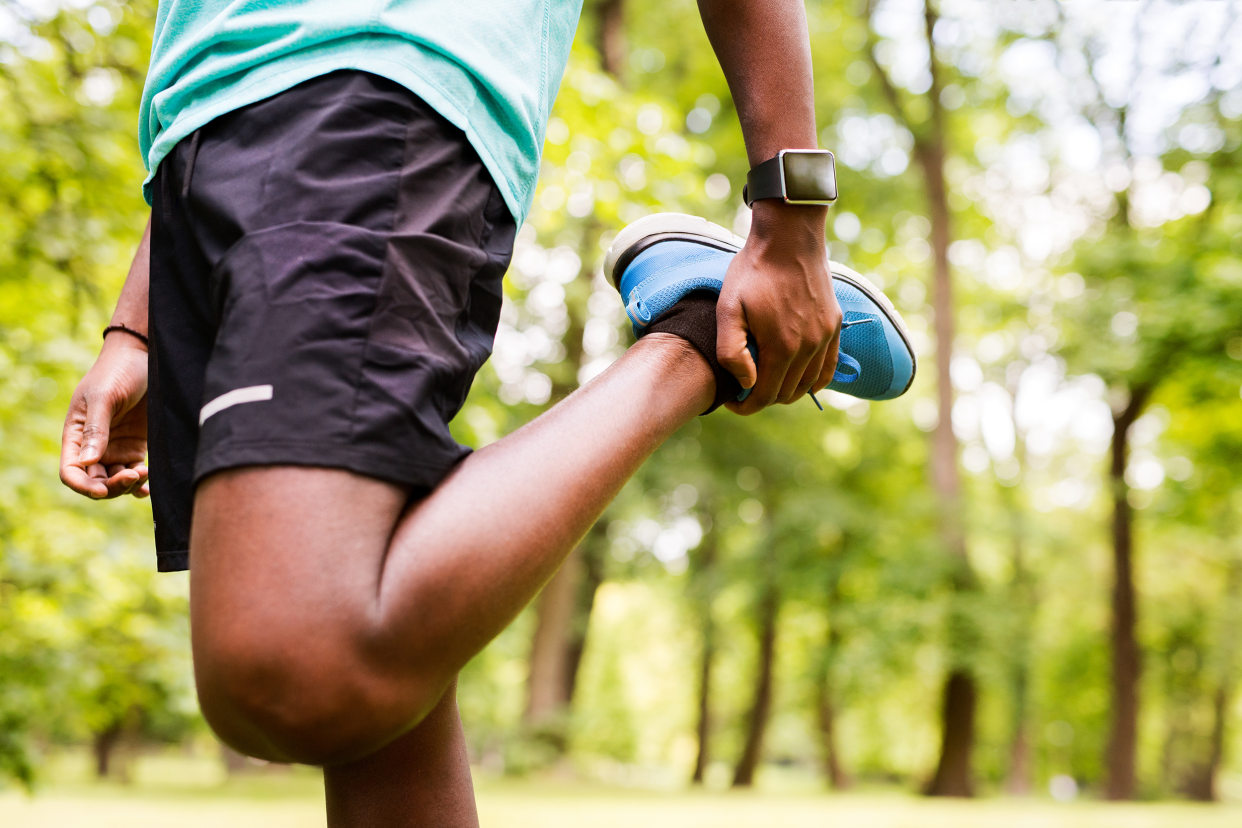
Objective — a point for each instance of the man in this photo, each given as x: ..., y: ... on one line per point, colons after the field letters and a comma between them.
x: 335, y: 190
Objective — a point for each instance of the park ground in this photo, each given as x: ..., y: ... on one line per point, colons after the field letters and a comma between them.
x: 169, y: 791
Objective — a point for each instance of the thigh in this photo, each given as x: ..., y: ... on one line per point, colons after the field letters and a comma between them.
x: 288, y: 658
x: 289, y: 552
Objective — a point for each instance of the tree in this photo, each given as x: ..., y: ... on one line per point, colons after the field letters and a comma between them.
x: 1180, y: 314
x: 953, y: 775
x: 768, y: 608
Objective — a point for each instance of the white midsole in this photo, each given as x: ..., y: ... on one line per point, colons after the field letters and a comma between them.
x: 657, y: 223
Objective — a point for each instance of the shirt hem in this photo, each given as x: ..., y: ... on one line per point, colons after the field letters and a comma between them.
x: 284, y: 77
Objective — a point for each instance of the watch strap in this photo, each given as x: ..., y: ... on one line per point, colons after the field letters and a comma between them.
x: 764, y: 181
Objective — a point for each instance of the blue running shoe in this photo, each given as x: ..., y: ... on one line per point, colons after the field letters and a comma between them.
x: 658, y: 259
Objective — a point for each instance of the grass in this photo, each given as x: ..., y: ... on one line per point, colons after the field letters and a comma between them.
x: 189, y: 794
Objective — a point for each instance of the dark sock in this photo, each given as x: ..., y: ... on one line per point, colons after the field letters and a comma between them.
x: 693, y: 318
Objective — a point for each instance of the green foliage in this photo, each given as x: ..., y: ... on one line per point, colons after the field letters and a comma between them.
x: 832, y: 511
x: 90, y: 639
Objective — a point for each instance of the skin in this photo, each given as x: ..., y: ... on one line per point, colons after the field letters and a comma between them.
x: 778, y: 288
x: 330, y: 616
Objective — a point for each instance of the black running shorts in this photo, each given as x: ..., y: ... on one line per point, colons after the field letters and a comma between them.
x: 326, y: 272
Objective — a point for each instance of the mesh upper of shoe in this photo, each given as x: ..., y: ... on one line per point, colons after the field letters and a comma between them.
x: 867, y: 344
x: 848, y: 293
x: 681, y: 266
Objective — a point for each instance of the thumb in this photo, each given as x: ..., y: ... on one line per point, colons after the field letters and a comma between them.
x: 731, y: 350
x: 95, y: 431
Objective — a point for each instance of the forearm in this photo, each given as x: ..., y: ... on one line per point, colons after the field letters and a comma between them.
x: 778, y: 290
x: 131, y: 306
x: 764, y: 49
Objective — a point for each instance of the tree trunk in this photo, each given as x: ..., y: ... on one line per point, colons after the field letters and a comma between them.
x: 752, y: 752
x: 827, y: 710
x: 1126, y: 665
x: 1207, y: 789
x: 593, y: 548
x: 549, y: 663
x: 611, y: 35
x: 1018, y: 781
x: 103, y: 746
x: 703, y: 592
x: 1176, y: 729
x: 953, y: 776
x: 826, y: 697
x: 1203, y: 786
x: 704, y: 729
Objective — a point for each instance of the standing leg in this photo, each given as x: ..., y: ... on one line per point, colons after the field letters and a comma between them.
x: 421, y: 779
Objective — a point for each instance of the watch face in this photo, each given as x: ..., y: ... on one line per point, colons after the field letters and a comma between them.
x: 810, y: 176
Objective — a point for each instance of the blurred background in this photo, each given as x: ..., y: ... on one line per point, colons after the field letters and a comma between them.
x: 1021, y: 583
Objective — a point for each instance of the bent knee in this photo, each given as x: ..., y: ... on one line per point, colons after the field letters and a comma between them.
x: 296, y: 701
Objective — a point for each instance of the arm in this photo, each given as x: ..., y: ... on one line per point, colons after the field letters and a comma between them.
x: 104, y: 445
x: 779, y: 287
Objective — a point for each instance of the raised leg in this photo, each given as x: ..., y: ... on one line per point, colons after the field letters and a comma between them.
x: 328, y: 617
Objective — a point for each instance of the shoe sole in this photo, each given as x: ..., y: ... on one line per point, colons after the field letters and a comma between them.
x: 648, y: 230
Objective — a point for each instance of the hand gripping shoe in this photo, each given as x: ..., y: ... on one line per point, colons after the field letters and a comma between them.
x: 660, y: 258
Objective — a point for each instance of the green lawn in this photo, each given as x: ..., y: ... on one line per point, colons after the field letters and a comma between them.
x: 190, y: 796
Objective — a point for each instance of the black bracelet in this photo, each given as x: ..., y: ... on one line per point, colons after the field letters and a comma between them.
x: 130, y: 331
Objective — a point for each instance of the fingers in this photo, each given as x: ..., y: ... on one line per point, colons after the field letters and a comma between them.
x: 73, y: 473
x: 78, y: 479
x: 731, y: 350
x: 121, y: 480
x: 774, y: 362
x: 811, y: 375
x: 795, y: 375
x: 95, y: 429
x: 830, y: 363
x: 100, y: 483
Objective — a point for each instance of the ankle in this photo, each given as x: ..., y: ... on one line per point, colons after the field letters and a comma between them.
x: 685, y: 369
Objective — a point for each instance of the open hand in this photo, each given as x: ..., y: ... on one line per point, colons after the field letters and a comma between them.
x: 103, y: 448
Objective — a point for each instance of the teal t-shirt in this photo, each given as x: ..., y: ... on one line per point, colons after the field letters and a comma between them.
x: 491, y: 67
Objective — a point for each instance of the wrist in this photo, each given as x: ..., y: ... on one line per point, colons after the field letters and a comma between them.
x: 124, y: 337
x: 773, y: 220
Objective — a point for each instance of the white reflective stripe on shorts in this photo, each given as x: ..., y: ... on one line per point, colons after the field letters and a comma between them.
x: 253, y: 393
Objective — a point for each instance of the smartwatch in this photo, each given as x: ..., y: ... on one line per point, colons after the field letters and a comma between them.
x: 796, y: 176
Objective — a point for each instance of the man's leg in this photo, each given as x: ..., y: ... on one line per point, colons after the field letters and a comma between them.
x: 328, y: 619
x: 423, y: 778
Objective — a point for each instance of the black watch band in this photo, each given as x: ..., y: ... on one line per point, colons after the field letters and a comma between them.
x: 794, y: 176
x: 764, y: 181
